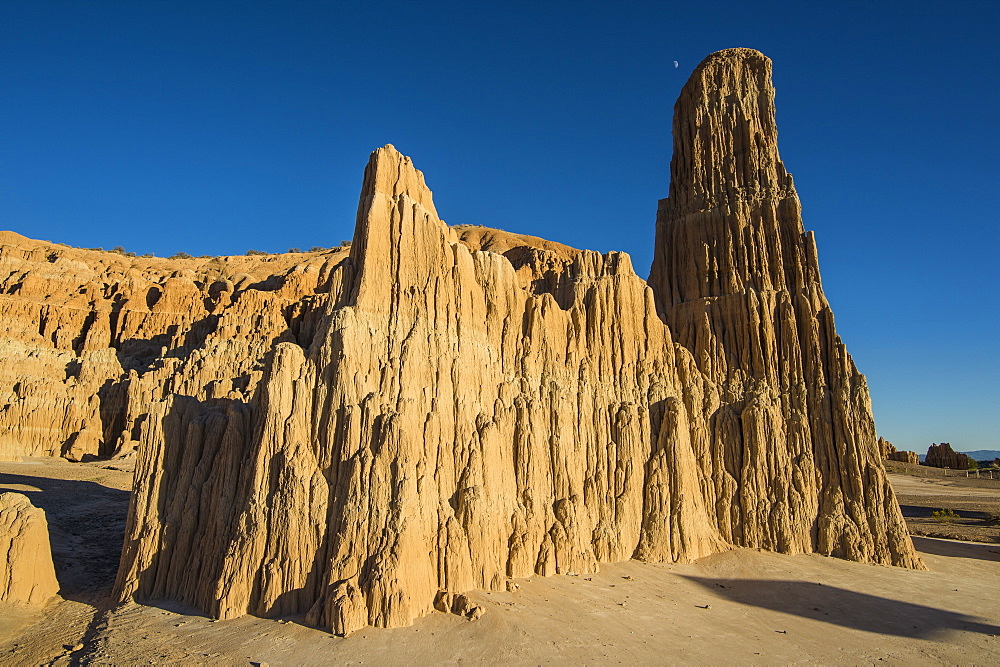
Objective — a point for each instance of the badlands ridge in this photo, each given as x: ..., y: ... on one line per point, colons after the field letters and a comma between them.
x: 363, y: 434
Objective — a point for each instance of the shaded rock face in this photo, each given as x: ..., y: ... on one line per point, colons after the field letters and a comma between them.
x: 27, y: 576
x: 943, y: 456
x: 795, y: 466
x: 360, y: 435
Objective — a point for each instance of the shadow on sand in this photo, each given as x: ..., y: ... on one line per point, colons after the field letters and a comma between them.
x: 957, y: 549
x: 846, y: 608
x: 926, y: 512
x: 86, y: 528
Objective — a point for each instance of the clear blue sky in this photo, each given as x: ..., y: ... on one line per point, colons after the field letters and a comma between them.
x: 215, y: 127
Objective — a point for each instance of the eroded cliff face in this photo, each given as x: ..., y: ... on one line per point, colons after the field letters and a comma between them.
x: 440, y: 409
x: 89, y: 340
x: 796, y: 466
x: 453, y: 424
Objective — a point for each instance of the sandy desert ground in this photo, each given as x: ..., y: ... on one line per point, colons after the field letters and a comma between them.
x: 976, y: 502
x: 743, y: 606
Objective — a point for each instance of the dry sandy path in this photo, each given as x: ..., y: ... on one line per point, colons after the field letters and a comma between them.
x: 948, y: 487
x: 743, y: 606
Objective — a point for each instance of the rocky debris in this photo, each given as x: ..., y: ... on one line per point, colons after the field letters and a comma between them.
x: 358, y: 435
x: 906, y: 457
x: 27, y: 575
x: 458, y: 604
x: 943, y: 456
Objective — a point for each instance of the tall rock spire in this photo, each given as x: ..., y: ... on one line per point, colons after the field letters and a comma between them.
x: 737, y: 280
x: 726, y: 138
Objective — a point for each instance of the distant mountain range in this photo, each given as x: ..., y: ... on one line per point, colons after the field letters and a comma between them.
x: 983, y: 454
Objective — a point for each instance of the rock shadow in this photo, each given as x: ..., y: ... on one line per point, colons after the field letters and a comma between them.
x: 927, y: 512
x: 956, y: 548
x: 195, y: 491
x: 86, y: 530
x: 846, y: 608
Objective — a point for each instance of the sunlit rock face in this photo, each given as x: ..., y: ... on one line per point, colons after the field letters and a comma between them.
x: 359, y: 433
x: 89, y: 339
x: 796, y: 464
x: 455, y: 421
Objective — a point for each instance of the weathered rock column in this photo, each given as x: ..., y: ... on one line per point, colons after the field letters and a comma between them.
x: 795, y: 459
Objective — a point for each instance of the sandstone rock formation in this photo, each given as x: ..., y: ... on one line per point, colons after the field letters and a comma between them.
x: 943, y: 456
x: 885, y: 448
x: 365, y: 435
x: 791, y: 435
x: 451, y: 424
x: 888, y: 451
x: 905, y: 457
x: 88, y: 338
x: 27, y: 575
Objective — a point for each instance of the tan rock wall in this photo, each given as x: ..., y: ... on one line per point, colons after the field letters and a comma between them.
x: 905, y: 457
x: 886, y: 448
x: 88, y: 338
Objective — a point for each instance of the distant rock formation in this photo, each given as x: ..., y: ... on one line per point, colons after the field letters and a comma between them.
x: 886, y: 448
x: 943, y: 456
x: 906, y: 457
x: 27, y: 576
x: 889, y: 452
x: 366, y: 434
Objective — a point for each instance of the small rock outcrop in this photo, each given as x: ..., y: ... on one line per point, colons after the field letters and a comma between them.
x: 906, y: 457
x: 886, y: 448
x: 27, y: 576
x: 943, y: 456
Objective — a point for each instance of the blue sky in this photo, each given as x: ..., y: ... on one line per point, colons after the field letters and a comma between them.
x: 216, y: 127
